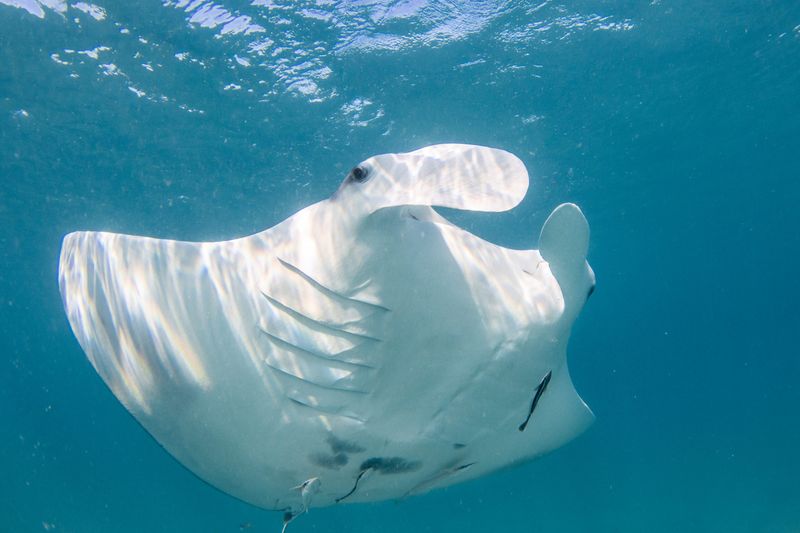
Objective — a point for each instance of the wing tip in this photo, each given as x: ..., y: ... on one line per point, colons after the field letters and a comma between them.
x: 565, y: 235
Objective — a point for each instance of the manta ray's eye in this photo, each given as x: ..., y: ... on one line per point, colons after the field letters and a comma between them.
x: 359, y: 174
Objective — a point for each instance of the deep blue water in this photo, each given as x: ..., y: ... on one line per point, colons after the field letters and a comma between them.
x: 675, y: 125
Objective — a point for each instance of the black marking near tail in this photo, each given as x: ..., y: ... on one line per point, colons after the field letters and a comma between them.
x: 383, y: 465
x: 536, y: 397
x: 390, y: 465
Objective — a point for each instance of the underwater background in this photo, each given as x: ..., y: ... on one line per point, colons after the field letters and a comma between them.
x: 674, y: 124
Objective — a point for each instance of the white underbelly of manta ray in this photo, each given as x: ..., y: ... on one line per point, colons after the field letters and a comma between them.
x: 363, y: 349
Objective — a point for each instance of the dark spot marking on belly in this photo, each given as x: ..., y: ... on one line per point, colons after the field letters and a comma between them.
x: 390, y: 465
x: 458, y: 445
x: 342, y: 446
x: 338, y: 457
x: 331, y: 462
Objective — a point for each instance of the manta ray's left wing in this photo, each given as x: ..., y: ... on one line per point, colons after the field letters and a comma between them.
x: 158, y: 316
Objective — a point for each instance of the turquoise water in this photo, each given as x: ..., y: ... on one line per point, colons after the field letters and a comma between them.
x: 673, y: 124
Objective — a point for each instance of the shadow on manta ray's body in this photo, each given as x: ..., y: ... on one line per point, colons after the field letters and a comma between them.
x: 363, y: 349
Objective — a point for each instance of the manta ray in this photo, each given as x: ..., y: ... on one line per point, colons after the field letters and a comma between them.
x: 363, y: 349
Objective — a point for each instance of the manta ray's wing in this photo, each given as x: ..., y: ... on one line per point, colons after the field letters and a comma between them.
x: 153, y: 314
x: 217, y: 346
x: 129, y: 300
x: 564, y: 243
